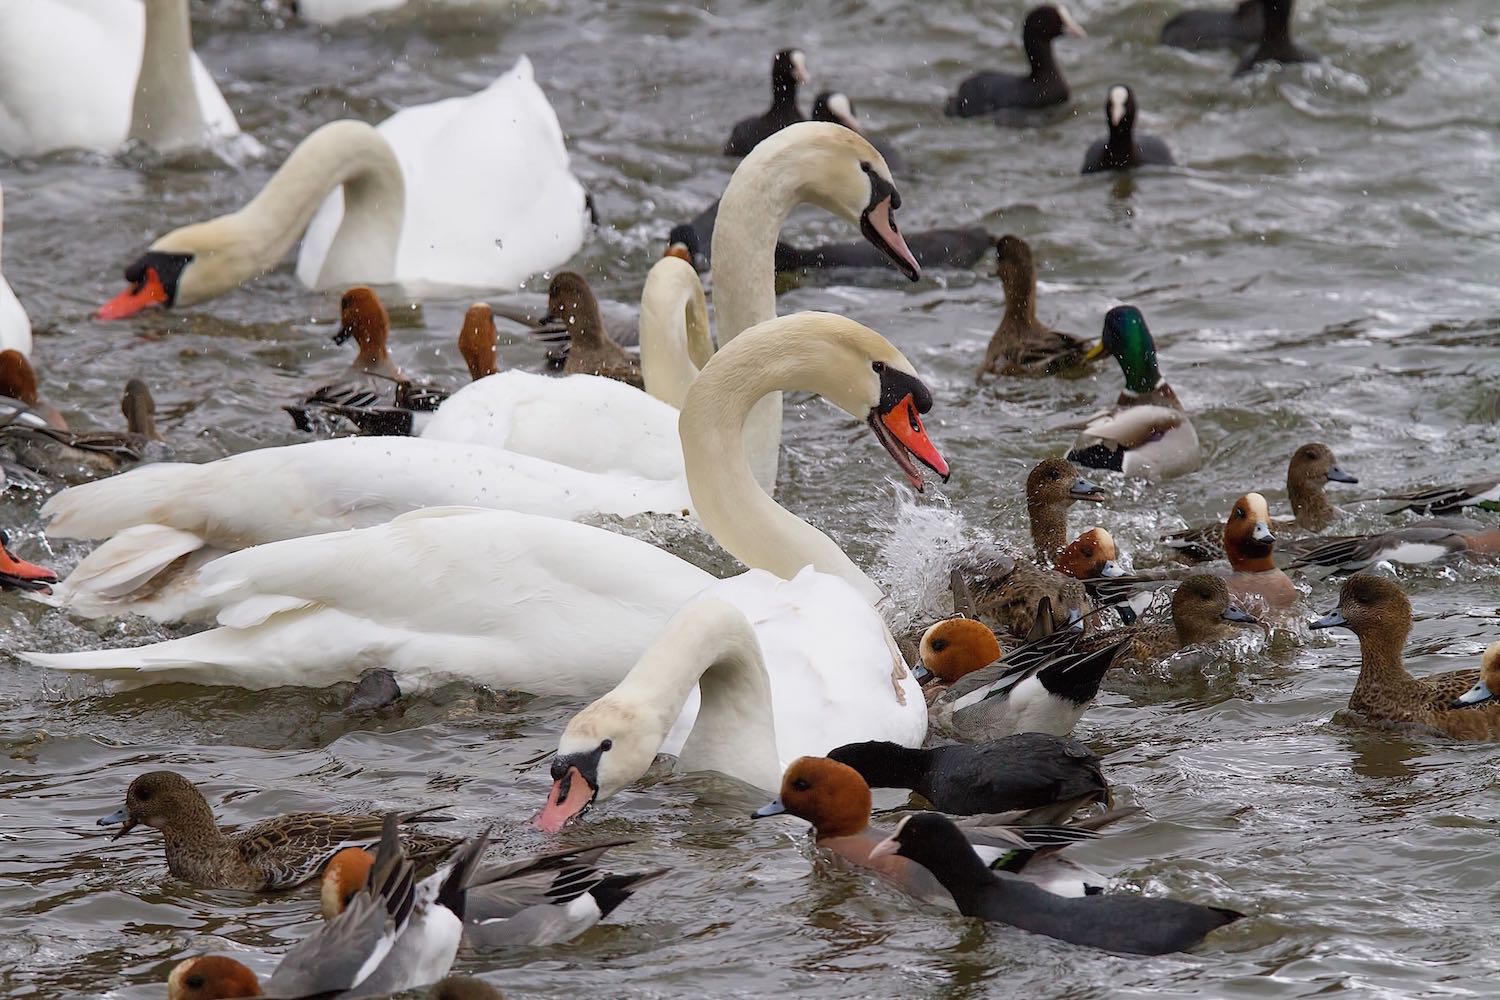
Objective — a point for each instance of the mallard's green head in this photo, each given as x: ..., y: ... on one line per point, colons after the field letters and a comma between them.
x: 1127, y: 339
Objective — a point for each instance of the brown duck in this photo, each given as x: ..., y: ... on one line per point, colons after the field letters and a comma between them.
x: 45, y: 446
x: 571, y: 303
x: 277, y: 853
x: 1202, y: 613
x: 1378, y: 613
x: 1022, y: 345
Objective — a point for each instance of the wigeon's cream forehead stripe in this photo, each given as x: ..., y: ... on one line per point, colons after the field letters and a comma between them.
x: 1256, y: 507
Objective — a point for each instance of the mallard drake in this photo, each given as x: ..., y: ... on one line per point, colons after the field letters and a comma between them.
x: 1202, y: 613
x: 1312, y: 467
x: 1147, y: 434
x: 1022, y: 345
x: 1379, y: 614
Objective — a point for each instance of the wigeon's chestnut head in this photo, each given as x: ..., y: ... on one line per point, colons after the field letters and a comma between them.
x: 1248, y: 539
x: 363, y: 317
x: 1371, y: 606
x: 211, y: 977
x: 161, y: 799
x: 463, y: 988
x: 17, y: 378
x: 1092, y: 554
x: 18, y: 574
x: 954, y: 647
x: 476, y: 341
x: 829, y: 795
x: 343, y: 878
x: 1487, y: 689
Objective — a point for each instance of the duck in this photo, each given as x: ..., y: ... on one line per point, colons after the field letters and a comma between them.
x: 1041, y: 686
x: 1379, y: 614
x: 93, y: 76
x: 788, y: 71
x: 1148, y: 434
x: 1128, y: 924
x: 278, y: 853
x: 1021, y: 344
x: 632, y: 433
x: 395, y: 935
x: 1487, y: 688
x: 1122, y: 149
x: 1022, y: 771
x: 465, y: 193
x: 835, y: 106
x: 1412, y: 546
x: 1214, y: 29
x: 1202, y: 614
x: 528, y: 903
x: 15, y: 325
x: 20, y: 394
x: 1042, y: 87
x: 69, y: 456
x: 571, y: 304
x: 18, y: 574
x: 803, y: 679
x: 463, y: 988
x: 1275, y: 43
x: 1312, y: 467
x: 374, y: 374
x: 1483, y: 492
x: 525, y: 599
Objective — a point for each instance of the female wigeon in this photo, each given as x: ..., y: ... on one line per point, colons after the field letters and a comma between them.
x: 1202, y: 613
x: 396, y: 934
x: 1379, y: 614
x: 18, y: 574
x: 18, y: 383
x: 79, y: 456
x: 571, y: 305
x: 1022, y: 345
x: 1148, y: 433
x: 1130, y: 924
x: 532, y: 902
x: 277, y: 853
x: 1313, y: 467
x: 1024, y: 771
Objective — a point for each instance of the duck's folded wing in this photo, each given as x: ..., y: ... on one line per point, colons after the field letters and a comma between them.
x: 294, y: 848
x: 1351, y: 553
x: 340, y: 954
x: 1484, y: 492
x: 1204, y: 543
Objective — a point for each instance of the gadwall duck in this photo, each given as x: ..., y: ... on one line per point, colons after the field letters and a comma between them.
x: 1202, y: 614
x: 1379, y: 614
x: 1148, y: 433
x: 1135, y: 925
x: 1021, y: 344
x: 277, y: 853
x: 788, y: 71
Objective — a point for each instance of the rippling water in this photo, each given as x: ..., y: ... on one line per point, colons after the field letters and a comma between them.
x: 1322, y: 267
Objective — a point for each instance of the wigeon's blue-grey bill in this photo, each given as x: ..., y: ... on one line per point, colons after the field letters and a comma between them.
x: 1234, y: 614
x: 1338, y: 475
x: 922, y: 674
x: 1476, y: 695
x: 1334, y: 619
x: 1262, y: 532
x: 772, y: 808
x: 1083, y: 489
x: 1111, y: 568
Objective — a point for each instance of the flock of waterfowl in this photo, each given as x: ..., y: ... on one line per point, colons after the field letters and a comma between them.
x: 785, y: 677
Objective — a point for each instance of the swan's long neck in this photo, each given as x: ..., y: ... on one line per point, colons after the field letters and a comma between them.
x: 674, y: 330
x: 730, y: 503
x: 234, y: 248
x: 166, y: 114
x: 711, y: 644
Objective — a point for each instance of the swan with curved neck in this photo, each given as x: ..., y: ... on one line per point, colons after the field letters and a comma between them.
x: 675, y: 339
x: 525, y: 600
x: 15, y: 325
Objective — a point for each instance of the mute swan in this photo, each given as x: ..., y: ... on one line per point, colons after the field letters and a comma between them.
x: 15, y: 325
x: 598, y: 425
x: 466, y: 193
x: 85, y: 74
x: 541, y: 604
x: 675, y: 338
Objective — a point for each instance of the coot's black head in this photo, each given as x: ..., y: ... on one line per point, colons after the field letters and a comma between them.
x: 1119, y: 109
x: 1048, y: 22
x: 833, y: 106
x: 788, y: 69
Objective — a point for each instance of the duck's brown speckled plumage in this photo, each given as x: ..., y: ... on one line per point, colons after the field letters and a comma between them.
x: 1199, y: 605
x: 1021, y: 344
x: 571, y: 302
x: 276, y: 853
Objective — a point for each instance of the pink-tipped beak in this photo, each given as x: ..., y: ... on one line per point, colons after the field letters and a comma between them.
x: 561, y: 807
x: 882, y: 225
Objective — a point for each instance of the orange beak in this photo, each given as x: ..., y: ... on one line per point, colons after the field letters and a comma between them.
x: 569, y: 797
x: 149, y: 294
x: 24, y: 575
x: 900, y: 430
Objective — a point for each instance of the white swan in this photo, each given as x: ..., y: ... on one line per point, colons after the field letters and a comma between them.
x: 470, y: 193
x: 15, y: 325
x: 815, y: 162
x: 87, y: 74
x: 539, y: 604
x: 675, y: 338
x: 334, y: 11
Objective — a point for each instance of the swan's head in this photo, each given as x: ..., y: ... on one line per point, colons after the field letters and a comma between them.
x: 839, y: 171
x: 600, y: 753
x: 188, y: 265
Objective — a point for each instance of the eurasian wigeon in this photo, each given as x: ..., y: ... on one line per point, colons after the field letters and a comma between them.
x: 1202, y: 614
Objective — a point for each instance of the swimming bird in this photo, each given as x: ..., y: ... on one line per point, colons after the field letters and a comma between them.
x: 788, y: 71
x: 1117, y: 922
x: 15, y: 325
x: 834, y: 106
x: 817, y: 673
x: 1482, y: 492
x: 1021, y: 344
x: 373, y: 376
x: 1042, y: 87
x: 20, y: 394
x: 1148, y: 433
x: 1022, y: 771
x: 1312, y: 467
x: 277, y: 853
x: 1379, y: 614
x: 421, y: 201
x: 1275, y: 43
x: 1202, y: 613
x: 92, y: 76
x: 70, y: 456
x: 571, y: 305
x: 1122, y: 149
x: 525, y: 599
x: 1210, y: 29
x: 1410, y: 546
x: 1487, y: 689
x: 18, y: 574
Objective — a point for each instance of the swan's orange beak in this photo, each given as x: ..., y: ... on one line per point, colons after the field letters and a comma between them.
x: 22, y: 575
x: 900, y: 430
x: 149, y: 293
x: 571, y: 794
